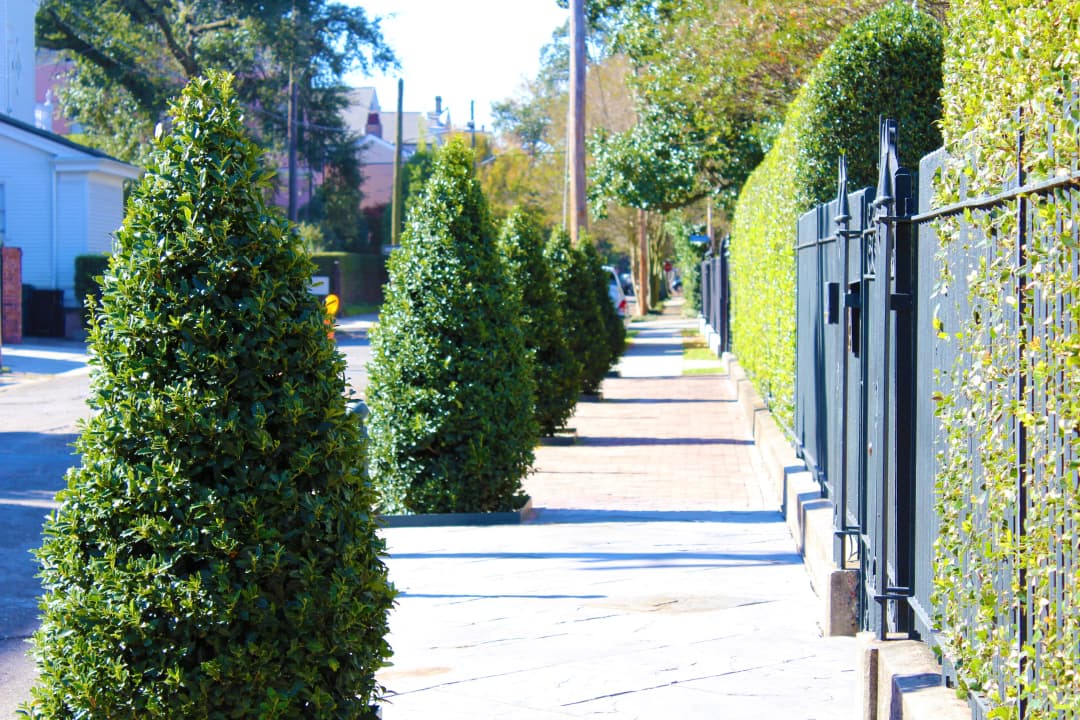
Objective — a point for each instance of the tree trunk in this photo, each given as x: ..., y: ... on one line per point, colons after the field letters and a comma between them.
x: 643, y: 265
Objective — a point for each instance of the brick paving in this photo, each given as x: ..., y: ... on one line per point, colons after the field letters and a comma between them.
x: 653, y: 444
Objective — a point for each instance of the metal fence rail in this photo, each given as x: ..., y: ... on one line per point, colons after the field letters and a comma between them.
x: 869, y: 364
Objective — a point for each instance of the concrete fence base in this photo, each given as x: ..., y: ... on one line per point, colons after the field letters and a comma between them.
x: 899, y: 679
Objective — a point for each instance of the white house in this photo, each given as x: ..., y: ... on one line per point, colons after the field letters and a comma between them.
x: 57, y: 199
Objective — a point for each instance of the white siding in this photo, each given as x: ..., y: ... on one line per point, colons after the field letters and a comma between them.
x: 25, y: 173
x: 106, y: 212
x: 73, y: 205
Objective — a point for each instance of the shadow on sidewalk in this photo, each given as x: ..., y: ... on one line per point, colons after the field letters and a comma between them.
x: 658, y: 350
x: 615, y: 560
x: 663, y: 401
x: 554, y: 516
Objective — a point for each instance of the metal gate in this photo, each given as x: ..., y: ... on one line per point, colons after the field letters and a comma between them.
x: 855, y: 390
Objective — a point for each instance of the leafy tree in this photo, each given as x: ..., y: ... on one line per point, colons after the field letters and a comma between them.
x: 556, y: 371
x: 132, y: 56
x: 450, y: 382
x: 215, y: 555
x: 655, y: 166
x: 335, y: 205
x: 725, y: 71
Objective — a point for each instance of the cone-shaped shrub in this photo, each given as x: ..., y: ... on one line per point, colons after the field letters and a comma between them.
x: 614, y: 330
x: 450, y: 390
x: 215, y: 554
x: 556, y: 371
x: 574, y: 284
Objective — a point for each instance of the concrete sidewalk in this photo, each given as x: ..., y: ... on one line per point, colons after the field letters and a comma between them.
x: 654, y: 581
x: 40, y: 359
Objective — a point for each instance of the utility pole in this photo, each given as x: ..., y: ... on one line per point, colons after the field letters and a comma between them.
x: 472, y: 121
x: 290, y: 122
x: 395, y: 201
x: 291, y: 131
x: 578, y: 214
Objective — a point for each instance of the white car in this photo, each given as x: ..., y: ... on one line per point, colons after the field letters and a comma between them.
x: 615, y: 291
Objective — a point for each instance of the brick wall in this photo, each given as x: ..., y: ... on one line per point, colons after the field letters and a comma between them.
x: 12, y: 299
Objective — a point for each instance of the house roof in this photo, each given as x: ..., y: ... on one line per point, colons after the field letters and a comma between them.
x: 362, y: 102
x: 43, y: 139
x: 415, y: 126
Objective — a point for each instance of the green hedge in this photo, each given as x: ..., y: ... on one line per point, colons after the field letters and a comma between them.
x: 88, y: 268
x: 887, y: 64
x: 762, y: 258
x: 362, y: 275
x: 1003, y: 56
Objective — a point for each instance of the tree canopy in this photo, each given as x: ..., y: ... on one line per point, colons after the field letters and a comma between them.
x: 132, y: 56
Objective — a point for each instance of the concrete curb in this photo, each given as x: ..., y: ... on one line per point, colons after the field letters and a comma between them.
x: 450, y: 519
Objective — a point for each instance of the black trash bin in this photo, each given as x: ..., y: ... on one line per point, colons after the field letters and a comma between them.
x: 43, y: 312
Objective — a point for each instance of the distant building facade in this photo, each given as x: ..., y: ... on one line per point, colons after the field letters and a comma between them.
x: 58, y: 199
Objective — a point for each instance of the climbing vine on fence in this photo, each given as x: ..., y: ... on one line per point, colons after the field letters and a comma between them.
x: 1007, y: 572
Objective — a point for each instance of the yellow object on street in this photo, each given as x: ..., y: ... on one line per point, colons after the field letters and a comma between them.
x: 333, y: 304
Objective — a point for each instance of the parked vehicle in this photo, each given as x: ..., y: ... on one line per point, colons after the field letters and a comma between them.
x: 615, y: 291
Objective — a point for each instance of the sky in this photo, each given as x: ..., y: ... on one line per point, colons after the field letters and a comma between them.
x: 468, y: 50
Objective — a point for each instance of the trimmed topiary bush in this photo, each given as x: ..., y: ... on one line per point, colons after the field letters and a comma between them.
x: 573, y: 281
x: 762, y: 256
x: 450, y: 388
x: 215, y: 555
x: 600, y: 279
x: 556, y: 371
x: 886, y: 65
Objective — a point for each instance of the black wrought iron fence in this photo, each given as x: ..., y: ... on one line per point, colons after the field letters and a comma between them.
x: 891, y: 322
x: 716, y: 295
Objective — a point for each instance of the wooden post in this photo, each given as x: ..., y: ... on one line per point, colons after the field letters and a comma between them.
x: 578, y: 213
x: 291, y: 131
x: 395, y: 200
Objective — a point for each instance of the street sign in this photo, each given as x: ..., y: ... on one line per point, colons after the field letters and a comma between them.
x: 699, y: 239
